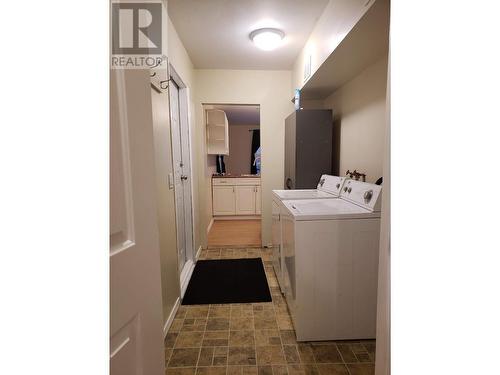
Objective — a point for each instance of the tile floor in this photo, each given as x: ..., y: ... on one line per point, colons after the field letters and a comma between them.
x: 255, y: 338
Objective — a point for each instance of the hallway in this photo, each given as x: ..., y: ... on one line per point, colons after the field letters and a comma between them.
x: 258, y: 338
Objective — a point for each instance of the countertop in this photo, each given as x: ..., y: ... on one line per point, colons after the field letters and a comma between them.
x: 236, y: 176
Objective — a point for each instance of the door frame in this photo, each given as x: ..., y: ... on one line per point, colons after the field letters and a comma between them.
x: 207, y: 188
x: 185, y: 120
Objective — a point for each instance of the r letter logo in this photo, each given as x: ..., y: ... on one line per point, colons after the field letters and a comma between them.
x: 136, y: 35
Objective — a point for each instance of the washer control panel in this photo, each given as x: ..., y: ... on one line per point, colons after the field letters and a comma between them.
x: 331, y: 184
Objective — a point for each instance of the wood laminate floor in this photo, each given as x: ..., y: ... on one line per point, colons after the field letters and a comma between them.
x: 235, y: 233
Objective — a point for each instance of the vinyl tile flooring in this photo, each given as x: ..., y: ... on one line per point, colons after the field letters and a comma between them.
x: 255, y: 338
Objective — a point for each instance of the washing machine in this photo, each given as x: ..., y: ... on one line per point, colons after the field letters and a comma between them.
x: 330, y: 270
x: 328, y: 187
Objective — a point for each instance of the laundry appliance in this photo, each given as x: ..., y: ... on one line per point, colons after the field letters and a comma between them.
x: 328, y: 187
x: 330, y: 250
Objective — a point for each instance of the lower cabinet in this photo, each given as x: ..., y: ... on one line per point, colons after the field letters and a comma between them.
x: 245, y: 200
x: 231, y: 198
x: 223, y: 200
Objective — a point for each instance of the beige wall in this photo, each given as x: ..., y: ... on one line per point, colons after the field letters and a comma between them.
x: 179, y: 58
x: 240, y: 146
x: 269, y: 89
x: 359, y: 108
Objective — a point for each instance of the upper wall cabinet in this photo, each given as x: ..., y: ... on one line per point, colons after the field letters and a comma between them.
x: 366, y: 43
x: 217, y: 132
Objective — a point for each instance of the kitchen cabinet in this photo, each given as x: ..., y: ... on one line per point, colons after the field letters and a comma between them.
x: 217, y: 132
x: 245, y: 200
x: 236, y: 196
x: 337, y: 62
x: 223, y: 200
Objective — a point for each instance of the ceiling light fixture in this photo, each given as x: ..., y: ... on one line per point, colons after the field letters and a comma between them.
x: 267, y: 39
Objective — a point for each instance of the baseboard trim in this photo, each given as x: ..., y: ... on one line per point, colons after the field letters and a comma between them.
x: 210, y: 225
x: 198, y: 253
x: 186, y: 276
x: 240, y: 217
x: 171, y: 317
x: 234, y: 247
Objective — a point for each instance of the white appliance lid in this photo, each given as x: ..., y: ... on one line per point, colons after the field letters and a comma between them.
x: 331, y: 184
x: 327, y: 209
x: 363, y: 194
x: 302, y: 194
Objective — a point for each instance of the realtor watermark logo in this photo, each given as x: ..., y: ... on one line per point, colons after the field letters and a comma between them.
x: 136, y: 35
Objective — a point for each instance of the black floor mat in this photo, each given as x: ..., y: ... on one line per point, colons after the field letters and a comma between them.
x: 227, y: 281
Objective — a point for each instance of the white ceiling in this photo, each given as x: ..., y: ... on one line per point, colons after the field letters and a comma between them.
x: 216, y: 32
x: 241, y: 114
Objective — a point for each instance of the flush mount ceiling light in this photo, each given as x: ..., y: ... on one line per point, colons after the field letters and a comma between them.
x: 267, y: 39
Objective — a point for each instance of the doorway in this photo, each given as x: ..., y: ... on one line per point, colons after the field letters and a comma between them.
x: 235, y: 170
x: 183, y: 190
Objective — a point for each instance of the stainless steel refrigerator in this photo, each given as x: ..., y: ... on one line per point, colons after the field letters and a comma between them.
x: 308, y: 147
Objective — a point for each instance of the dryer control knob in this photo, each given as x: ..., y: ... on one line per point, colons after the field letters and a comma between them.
x: 337, y: 186
x: 345, y: 189
x: 349, y: 190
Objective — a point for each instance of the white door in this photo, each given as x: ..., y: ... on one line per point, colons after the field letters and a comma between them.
x: 182, y: 173
x: 223, y: 200
x: 258, y: 200
x: 245, y: 200
x: 136, y: 334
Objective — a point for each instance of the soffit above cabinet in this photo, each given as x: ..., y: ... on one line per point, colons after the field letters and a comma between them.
x: 366, y: 43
